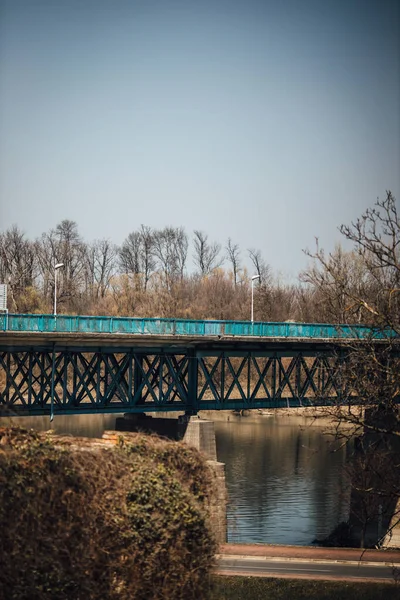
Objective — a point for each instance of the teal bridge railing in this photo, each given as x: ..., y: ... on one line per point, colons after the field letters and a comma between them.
x: 182, y: 327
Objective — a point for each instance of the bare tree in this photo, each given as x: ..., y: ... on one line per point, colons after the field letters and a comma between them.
x: 233, y: 253
x: 370, y: 373
x: 137, y: 256
x: 65, y: 245
x: 261, y: 268
x: 170, y: 249
x: 338, y: 278
x: 372, y: 290
x: 101, y: 262
x: 206, y: 255
x: 130, y: 254
x: 367, y: 371
x: 45, y: 252
x: 18, y: 264
x: 148, y: 260
x: 181, y: 250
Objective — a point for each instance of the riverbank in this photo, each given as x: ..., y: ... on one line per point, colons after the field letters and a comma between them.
x: 312, y: 553
x: 303, y: 415
x: 311, y: 415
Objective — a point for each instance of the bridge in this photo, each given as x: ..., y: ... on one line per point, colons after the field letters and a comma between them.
x: 69, y: 364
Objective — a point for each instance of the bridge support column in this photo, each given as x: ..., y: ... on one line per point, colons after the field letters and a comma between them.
x: 198, y: 433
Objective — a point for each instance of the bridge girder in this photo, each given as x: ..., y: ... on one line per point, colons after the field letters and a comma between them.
x: 54, y: 380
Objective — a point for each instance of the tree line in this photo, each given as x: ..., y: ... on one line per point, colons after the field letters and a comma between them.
x: 148, y: 276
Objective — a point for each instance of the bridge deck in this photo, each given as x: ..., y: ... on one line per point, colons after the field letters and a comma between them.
x: 159, y: 343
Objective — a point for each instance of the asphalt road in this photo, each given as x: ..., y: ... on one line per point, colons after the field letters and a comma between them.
x: 276, y: 567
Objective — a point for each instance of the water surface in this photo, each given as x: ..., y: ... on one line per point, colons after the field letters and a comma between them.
x: 285, y: 483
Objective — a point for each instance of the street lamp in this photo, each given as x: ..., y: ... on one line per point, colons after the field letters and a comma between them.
x: 56, y: 267
x: 252, y: 296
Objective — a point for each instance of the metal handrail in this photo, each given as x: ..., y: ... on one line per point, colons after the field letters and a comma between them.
x: 41, y: 323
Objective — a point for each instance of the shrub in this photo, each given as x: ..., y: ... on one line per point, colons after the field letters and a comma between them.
x: 80, y: 520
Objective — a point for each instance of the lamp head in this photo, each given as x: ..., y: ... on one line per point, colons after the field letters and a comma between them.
x: 59, y: 265
x: 255, y: 277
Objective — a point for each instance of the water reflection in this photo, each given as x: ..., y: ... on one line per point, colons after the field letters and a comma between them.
x: 285, y: 485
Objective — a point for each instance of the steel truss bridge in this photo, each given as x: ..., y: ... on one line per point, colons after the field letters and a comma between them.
x: 77, y: 365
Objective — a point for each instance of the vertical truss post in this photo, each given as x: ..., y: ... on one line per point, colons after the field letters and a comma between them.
x: 98, y: 377
x: 345, y: 389
x: 130, y: 377
x: 320, y: 374
x: 273, y: 382
x: 74, y: 363
x: 30, y: 367
x: 8, y: 379
x: 161, y: 378
x: 248, y: 376
x: 65, y: 377
x: 342, y: 385
x: 42, y: 380
x: 137, y: 359
x: 223, y: 377
x: 53, y: 359
x: 280, y: 374
x: 298, y: 378
x: 193, y: 373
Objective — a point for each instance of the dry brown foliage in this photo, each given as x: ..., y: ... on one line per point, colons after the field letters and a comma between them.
x: 81, y: 520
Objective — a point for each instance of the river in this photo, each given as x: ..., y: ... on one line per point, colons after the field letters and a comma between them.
x: 285, y: 484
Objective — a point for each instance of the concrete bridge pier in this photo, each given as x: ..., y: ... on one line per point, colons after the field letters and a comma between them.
x: 200, y: 434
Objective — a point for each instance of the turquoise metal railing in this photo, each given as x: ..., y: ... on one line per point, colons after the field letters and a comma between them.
x: 131, y: 325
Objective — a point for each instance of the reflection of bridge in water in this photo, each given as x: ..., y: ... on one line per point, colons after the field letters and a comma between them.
x: 74, y: 364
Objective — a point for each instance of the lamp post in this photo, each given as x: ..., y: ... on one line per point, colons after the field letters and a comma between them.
x: 252, y: 297
x: 56, y: 267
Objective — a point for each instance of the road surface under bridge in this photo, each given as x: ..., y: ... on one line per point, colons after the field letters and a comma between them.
x: 76, y: 365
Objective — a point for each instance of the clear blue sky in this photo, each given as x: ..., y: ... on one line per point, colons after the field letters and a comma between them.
x: 268, y: 121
